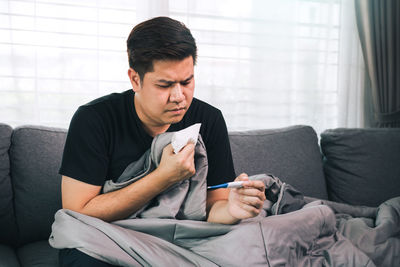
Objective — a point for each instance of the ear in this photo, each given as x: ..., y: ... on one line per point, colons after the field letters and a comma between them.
x: 134, y: 78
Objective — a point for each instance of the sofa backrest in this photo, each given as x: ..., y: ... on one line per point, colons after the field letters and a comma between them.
x: 362, y: 166
x: 292, y: 154
x: 35, y: 156
x: 8, y: 229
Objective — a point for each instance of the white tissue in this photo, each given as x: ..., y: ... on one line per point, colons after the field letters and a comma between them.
x: 182, y: 137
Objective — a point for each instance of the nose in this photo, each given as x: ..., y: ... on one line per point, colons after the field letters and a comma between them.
x: 176, y: 94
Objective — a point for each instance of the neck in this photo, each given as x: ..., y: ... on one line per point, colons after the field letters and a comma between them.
x: 150, y: 128
x: 155, y: 130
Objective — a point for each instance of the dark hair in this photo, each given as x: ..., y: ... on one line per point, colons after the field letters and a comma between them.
x: 160, y: 38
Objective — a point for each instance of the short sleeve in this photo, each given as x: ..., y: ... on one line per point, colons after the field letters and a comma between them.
x: 220, y: 163
x: 85, y: 156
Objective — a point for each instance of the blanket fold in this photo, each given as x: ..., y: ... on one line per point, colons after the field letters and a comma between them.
x: 183, y: 200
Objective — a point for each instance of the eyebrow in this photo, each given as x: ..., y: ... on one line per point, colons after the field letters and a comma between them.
x: 172, y: 82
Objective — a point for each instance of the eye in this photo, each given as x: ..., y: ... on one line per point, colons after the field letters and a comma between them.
x: 163, y: 86
x: 185, y: 83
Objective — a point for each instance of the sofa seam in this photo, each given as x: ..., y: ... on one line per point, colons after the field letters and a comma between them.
x: 270, y: 133
x: 35, y: 128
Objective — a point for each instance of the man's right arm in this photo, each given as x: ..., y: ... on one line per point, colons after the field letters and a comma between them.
x: 86, y: 198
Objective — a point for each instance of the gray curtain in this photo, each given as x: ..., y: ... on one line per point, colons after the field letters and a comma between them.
x: 378, y: 23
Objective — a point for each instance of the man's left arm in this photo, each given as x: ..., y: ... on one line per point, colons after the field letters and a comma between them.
x: 229, y: 206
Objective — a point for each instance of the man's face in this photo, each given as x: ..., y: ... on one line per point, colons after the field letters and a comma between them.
x: 165, y: 94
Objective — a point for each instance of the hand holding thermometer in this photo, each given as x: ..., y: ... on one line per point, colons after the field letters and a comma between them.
x: 227, y: 185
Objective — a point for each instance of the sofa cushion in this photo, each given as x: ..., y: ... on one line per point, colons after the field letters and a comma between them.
x: 8, y: 257
x: 290, y: 153
x: 7, y: 218
x: 362, y: 166
x: 38, y: 254
x: 35, y: 159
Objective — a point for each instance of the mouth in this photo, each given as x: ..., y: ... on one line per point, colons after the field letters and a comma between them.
x: 177, y: 111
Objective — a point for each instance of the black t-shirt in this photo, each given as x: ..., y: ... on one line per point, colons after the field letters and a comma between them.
x: 106, y: 135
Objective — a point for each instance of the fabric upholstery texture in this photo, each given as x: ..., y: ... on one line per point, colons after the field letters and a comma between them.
x: 38, y: 254
x: 8, y: 258
x: 7, y: 218
x: 362, y: 166
x: 35, y: 158
x: 292, y: 154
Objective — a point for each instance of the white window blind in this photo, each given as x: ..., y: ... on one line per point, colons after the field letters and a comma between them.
x: 264, y: 63
x: 57, y: 55
x: 267, y: 63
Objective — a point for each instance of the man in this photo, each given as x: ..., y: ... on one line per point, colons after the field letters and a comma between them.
x: 108, y: 133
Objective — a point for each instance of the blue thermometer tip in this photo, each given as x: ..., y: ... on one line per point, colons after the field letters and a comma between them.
x: 227, y: 185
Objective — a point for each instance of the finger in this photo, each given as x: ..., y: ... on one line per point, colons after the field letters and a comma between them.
x: 242, y: 177
x: 190, y: 155
x: 250, y: 208
x: 192, y: 141
x: 252, y: 192
x: 252, y: 201
x: 188, y: 148
x: 256, y: 184
x: 168, y: 149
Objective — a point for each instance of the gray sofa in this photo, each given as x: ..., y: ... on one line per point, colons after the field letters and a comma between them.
x: 355, y: 166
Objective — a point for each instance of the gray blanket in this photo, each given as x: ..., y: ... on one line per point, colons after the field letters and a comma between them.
x: 292, y: 231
